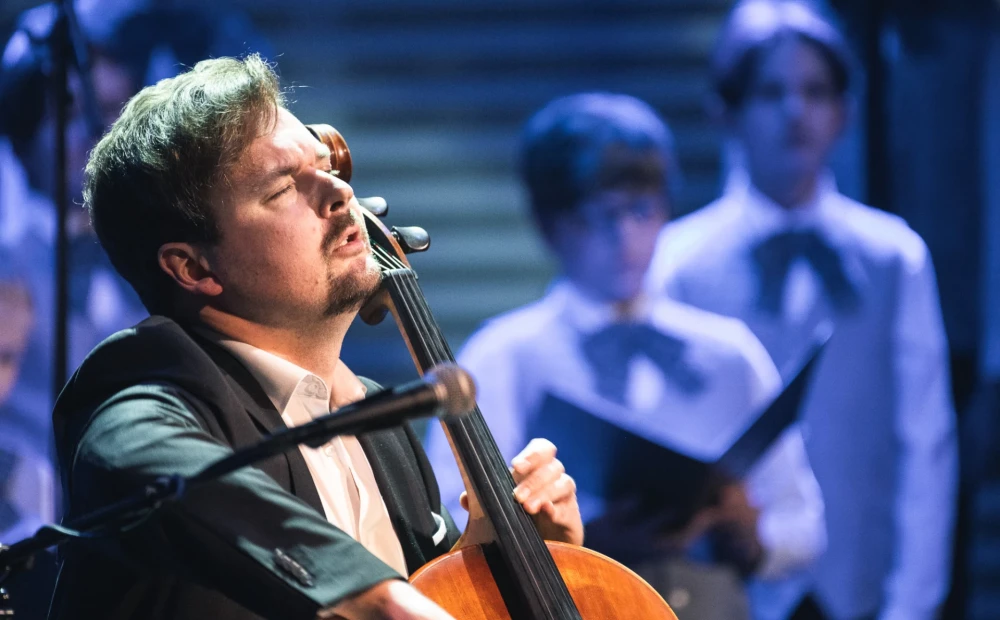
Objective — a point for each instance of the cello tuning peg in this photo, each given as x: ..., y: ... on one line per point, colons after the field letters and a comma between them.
x: 411, y: 238
x: 376, y: 204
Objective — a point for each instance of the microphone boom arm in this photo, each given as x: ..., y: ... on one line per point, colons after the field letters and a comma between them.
x: 448, y: 391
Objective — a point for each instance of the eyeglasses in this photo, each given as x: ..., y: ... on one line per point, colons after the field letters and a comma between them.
x: 606, y: 215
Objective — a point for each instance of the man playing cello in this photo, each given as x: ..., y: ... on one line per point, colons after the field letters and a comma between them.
x: 222, y: 211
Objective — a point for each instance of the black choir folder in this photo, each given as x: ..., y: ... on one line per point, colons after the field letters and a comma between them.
x: 617, y: 465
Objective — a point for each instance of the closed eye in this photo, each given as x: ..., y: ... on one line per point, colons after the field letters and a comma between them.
x: 283, y: 191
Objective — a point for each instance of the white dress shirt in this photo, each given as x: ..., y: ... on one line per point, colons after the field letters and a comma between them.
x: 519, y: 358
x: 880, y: 428
x: 344, y: 479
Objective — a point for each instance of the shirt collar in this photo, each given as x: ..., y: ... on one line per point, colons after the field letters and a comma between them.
x: 587, y: 314
x: 765, y: 215
x: 282, y: 380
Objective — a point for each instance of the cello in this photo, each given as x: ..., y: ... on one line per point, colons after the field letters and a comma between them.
x: 500, y: 568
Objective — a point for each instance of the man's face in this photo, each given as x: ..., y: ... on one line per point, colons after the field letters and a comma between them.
x: 605, y: 245
x: 792, y: 115
x: 293, y: 247
x: 15, y: 308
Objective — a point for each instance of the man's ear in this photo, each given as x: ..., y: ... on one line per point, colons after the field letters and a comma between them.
x: 188, y: 266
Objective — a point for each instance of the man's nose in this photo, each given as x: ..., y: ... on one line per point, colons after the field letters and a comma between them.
x: 620, y: 229
x: 631, y: 227
x: 794, y: 105
x: 335, y: 195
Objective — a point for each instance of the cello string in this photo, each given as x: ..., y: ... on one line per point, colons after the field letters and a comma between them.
x: 543, y: 587
x: 416, y: 308
x: 429, y: 335
x: 527, y: 547
x: 525, y: 540
x: 426, y: 327
x: 487, y: 457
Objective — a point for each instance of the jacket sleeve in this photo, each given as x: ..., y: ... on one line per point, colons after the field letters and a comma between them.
x: 242, y: 535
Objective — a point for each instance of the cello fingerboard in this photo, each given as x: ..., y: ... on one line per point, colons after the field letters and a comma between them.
x: 522, y: 565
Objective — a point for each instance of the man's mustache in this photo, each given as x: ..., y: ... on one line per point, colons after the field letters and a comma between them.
x: 337, y: 227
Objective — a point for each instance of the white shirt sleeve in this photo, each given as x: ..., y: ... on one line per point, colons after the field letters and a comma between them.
x: 790, y: 527
x: 782, y: 486
x: 493, y: 367
x: 928, y: 468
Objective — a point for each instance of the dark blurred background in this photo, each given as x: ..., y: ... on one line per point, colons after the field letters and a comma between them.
x: 431, y: 96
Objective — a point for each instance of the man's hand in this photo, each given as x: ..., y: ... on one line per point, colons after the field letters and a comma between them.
x: 386, y: 600
x: 546, y: 492
x: 736, y: 530
x: 732, y: 524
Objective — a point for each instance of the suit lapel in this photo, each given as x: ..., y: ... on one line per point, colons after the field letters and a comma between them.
x: 403, y: 476
x: 260, y: 408
x: 402, y: 493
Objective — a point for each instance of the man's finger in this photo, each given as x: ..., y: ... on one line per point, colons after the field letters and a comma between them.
x: 554, y: 494
x: 537, y: 452
x: 546, y: 483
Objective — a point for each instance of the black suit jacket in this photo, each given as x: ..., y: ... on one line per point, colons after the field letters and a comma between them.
x: 157, y: 399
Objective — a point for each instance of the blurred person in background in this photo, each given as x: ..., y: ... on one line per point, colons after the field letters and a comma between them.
x: 784, y: 251
x: 130, y: 44
x: 598, y: 169
x: 27, y: 493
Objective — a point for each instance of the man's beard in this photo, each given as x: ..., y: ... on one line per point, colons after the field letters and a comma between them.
x: 350, y: 292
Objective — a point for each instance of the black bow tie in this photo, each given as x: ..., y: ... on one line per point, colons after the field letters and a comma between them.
x: 610, y: 350
x: 774, y: 257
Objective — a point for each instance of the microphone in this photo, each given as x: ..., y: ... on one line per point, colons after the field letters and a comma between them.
x: 445, y: 391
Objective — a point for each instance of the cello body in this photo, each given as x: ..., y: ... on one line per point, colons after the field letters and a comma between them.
x: 462, y: 583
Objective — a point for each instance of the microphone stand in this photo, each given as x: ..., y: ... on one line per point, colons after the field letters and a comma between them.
x: 385, y: 409
x: 68, y: 47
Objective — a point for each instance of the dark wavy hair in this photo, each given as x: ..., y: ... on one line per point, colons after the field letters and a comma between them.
x: 148, y: 179
x: 590, y: 142
x: 755, y: 26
